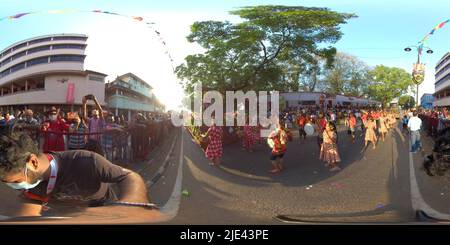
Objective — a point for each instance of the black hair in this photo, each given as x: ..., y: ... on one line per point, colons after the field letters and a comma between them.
x: 15, y: 151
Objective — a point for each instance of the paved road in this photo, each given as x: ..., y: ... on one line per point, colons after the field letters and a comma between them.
x: 374, y: 185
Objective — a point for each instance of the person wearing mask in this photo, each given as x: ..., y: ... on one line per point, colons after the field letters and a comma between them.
x: 79, y: 178
x: 53, y: 130
x: 95, y: 124
x: 414, y: 125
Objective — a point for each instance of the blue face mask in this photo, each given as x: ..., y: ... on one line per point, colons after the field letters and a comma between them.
x: 24, y: 184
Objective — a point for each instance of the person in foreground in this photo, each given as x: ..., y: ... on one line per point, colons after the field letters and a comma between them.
x: 76, y: 178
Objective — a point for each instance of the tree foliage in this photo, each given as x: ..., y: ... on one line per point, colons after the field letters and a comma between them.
x: 407, y: 102
x: 269, y: 50
x: 348, y: 75
x: 388, y: 83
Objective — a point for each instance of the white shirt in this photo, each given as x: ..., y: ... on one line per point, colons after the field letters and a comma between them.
x: 410, y: 114
x: 414, y: 123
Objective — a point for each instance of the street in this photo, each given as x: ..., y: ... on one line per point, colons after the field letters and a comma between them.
x: 374, y: 185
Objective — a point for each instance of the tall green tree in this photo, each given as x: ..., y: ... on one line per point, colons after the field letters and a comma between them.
x: 388, y: 83
x: 407, y: 101
x: 348, y: 75
x: 269, y: 50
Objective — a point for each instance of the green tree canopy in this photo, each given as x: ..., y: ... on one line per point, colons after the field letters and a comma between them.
x: 269, y: 50
x: 406, y: 101
x: 388, y: 83
x: 348, y: 75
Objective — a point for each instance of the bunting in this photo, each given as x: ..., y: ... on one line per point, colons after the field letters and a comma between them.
x: 437, y: 27
x: 139, y: 19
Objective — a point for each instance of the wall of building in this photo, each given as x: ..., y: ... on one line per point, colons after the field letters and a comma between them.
x: 55, y: 92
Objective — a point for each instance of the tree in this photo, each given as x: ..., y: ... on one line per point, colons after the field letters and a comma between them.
x: 348, y: 75
x: 388, y: 83
x: 407, y: 101
x: 269, y: 50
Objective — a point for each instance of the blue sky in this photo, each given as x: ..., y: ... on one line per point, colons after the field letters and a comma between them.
x: 377, y: 36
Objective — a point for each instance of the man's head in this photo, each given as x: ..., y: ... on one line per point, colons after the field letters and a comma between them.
x: 415, y: 113
x: 53, y: 114
x: 29, y: 114
x: 95, y: 113
x: 110, y: 118
x: 20, y: 166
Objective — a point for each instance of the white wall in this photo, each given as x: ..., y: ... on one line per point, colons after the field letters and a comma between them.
x: 55, y: 92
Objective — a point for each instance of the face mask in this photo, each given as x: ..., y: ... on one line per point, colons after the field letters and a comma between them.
x: 24, y: 184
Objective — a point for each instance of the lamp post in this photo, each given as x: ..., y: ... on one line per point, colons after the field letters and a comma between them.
x: 418, y: 73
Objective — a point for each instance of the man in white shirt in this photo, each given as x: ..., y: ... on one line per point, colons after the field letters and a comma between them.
x: 410, y: 114
x: 414, y: 125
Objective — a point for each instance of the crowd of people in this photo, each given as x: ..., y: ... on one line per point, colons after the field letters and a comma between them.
x: 374, y: 126
x: 102, y: 132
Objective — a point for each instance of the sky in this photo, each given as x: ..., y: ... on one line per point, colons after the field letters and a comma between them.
x: 118, y: 45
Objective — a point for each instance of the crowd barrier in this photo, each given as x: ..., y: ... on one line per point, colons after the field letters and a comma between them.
x: 125, y: 146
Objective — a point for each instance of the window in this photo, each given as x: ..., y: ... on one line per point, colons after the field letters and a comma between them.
x: 6, y: 52
x: 94, y: 78
x: 19, y: 46
x: 40, y: 84
x: 70, y: 58
x: 18, y: 55
x: 69, y: 46
x: 38, y: 49
x: 6, y: 61
x: 18, y: 67
x: 5, y: 73
x: 37, y: 61
x: 40, y: 40
x: 70, y: 38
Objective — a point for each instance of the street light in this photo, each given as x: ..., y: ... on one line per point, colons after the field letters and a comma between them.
x: 418, y: 72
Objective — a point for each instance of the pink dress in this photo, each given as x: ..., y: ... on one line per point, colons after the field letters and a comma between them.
x: 214, y: 149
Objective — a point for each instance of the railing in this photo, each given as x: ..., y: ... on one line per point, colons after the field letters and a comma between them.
x: 124, y: 146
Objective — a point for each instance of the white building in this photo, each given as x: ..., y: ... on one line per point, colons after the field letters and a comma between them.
x: 298, y: 99
x: 442, y: 81
x: 47, y: 70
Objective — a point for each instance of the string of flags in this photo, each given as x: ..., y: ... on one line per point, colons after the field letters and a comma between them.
x: 426, y: 37
x: 140, y: 19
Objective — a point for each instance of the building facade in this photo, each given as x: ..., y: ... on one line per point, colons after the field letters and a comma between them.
x: 129, y: 94
x: 47, y: 71
x: 426, y: 101
x: 302, y: 99
x: 442, y: 82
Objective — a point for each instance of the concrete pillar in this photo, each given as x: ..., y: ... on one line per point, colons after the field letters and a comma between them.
x: 26, y: 85
x: 117, y: 111
x: 71, y: 107
x: 12, y: 88
x: 129, y: 115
